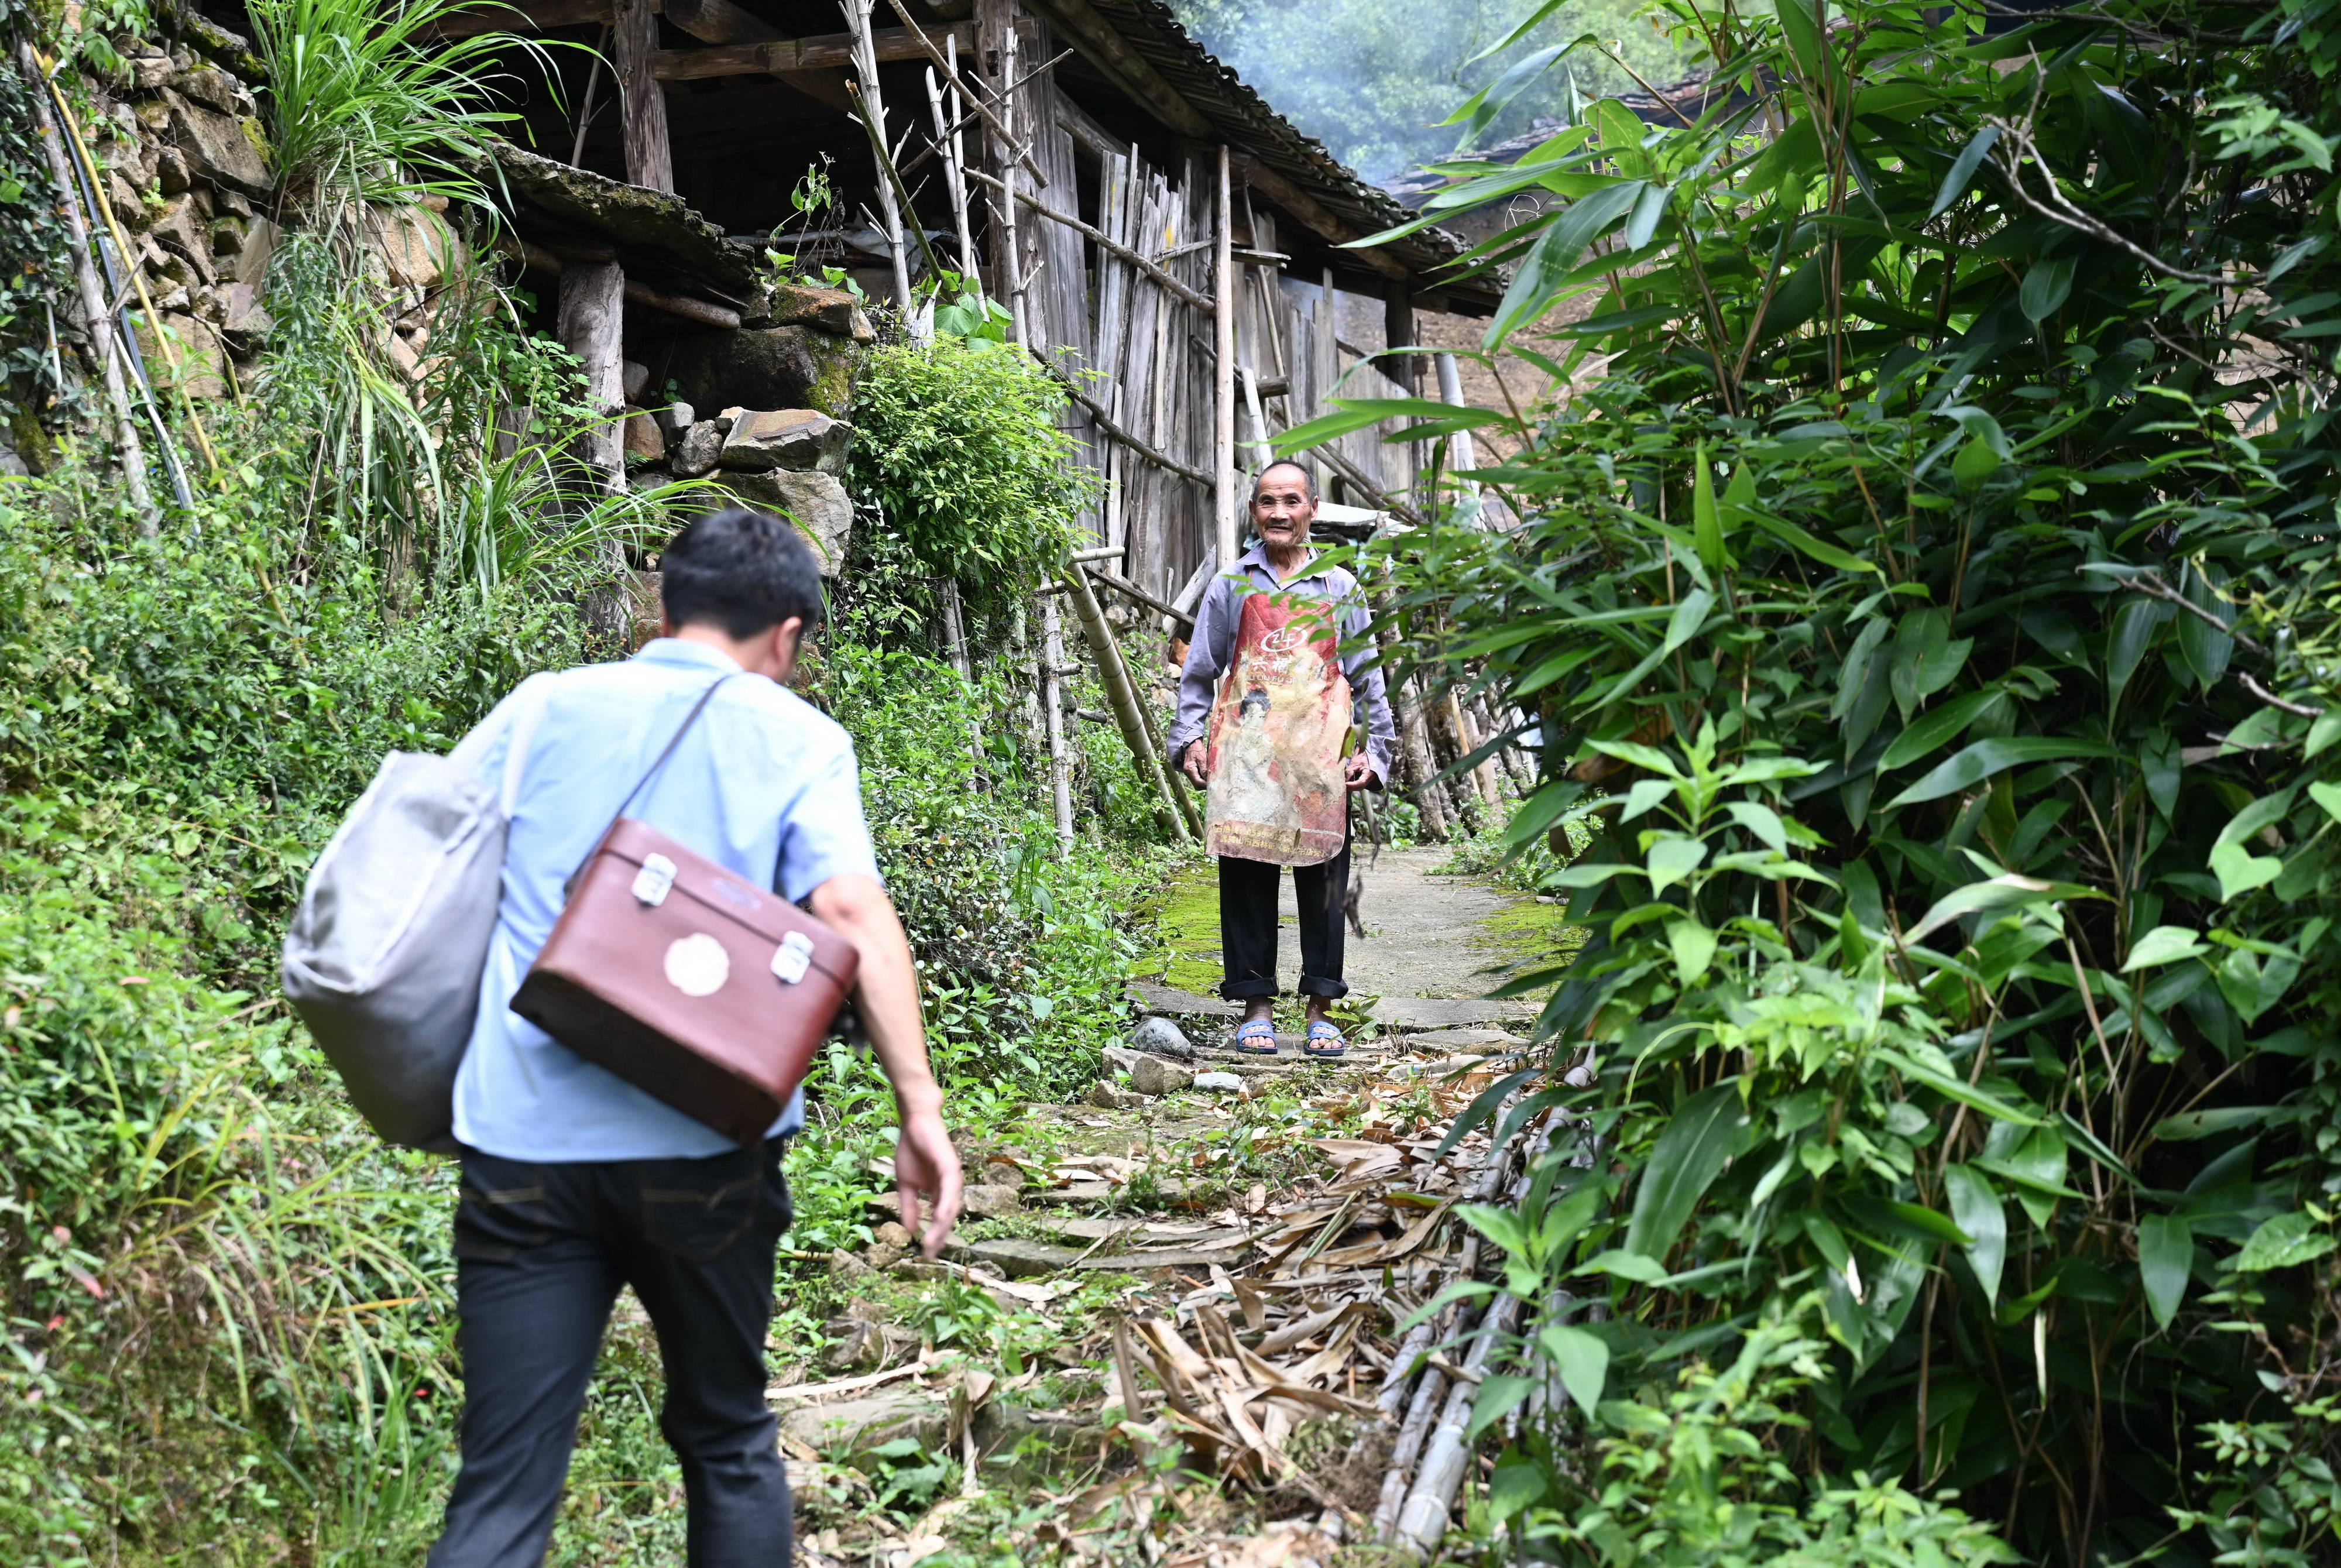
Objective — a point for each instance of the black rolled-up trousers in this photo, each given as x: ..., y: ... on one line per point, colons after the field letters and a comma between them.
x: 1248, y: 890
x: 541, y: 1253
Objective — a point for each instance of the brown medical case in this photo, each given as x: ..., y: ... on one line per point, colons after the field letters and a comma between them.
x: 690, y: 983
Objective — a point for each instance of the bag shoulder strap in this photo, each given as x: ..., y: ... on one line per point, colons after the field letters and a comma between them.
x: 653, y: 771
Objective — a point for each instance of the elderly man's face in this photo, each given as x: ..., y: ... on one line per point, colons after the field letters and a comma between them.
x: 1282, y: 508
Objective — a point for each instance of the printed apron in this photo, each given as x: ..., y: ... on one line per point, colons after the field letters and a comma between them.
x: 1277, y: 731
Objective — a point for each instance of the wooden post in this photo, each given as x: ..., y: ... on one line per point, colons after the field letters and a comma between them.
x: 650, y: 153
x: 1327, y: 368
x: 1223, y: 365
x: 1053, y: 714
x: 1123, y: 695
x: 873, y: 105
x: 591, y: 326
x: 1398, y: 332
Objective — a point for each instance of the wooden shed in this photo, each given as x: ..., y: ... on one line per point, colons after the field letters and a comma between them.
x: 1166, y: 242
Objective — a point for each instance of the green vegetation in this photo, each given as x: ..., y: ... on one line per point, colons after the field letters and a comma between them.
x: 1925, y: 598
x: 961, y: 454
x: 228, y: 1308
x: 1375, y: 80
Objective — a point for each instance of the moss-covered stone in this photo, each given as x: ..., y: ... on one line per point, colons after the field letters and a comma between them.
x: 767, y: 368
x: 32, y: 443
x: 838, y: 366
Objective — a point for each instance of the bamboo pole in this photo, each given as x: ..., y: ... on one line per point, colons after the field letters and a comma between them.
x: 1052, y: 713
x: 105, y: 326
x: 955, y: 178
x: 1116, y: 432
x: 1128, y: 712
x: 1140, y: 596
x: 1460, y: 450
x: 1180, y: 790
x: 1407, y: 1449
x: 1223, y: 365
x: 873, y: 110
x: 1013, y: 250
x: 1096, y: 238
x: 875, y: 126
x: 1483, y: 771
x: 1422, y: 1518
x: 1414, y: 737
x: 1260, y: 454
x: 137, y: 279
x: 585, y: 110
x: 949, y: 63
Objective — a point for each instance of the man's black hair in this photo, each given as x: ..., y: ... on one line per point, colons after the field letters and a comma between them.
x: 745, y: 572
x: 1308, y: 480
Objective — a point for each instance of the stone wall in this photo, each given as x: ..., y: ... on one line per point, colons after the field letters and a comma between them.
x: 760, y: 410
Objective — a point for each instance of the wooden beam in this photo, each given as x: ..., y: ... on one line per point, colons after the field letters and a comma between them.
x: 825, y: 52
x: 721, y: 22
x: 538, y: 15
x: 650, y: 150
x: 1114, y: 431
x: 1169, y: 282
x: 1109, y: 53
x: 706, y: 313
x: 1313, y: 213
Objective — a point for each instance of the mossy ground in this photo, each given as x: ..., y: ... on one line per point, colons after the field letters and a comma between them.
x: 1183, y: 930
x: 1529, y: 932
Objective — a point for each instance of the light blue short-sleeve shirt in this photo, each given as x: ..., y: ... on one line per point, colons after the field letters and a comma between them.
x: 763, y: 785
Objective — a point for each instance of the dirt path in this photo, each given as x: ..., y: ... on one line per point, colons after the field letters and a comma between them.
x: 1209, y: 1259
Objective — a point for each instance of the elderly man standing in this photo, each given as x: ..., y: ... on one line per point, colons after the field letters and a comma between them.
x: 1276, y: 759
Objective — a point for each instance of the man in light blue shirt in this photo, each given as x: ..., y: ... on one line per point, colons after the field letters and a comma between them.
x: 576, y: 1183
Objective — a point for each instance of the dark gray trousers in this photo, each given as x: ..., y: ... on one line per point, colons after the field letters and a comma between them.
x: 540, y: 1253
x: 1248, y: 890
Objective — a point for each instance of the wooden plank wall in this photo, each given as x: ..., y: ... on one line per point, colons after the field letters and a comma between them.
x: 1146, y: 355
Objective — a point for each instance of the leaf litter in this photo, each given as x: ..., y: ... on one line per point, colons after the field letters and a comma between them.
x: 1241, y: 1371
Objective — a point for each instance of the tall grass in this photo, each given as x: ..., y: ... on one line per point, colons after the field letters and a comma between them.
x: 367, y: 106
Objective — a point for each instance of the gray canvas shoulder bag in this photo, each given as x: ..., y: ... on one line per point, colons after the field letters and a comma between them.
x: 383, y: 959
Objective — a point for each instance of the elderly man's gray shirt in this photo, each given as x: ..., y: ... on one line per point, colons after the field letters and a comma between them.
x: 1214, y: 644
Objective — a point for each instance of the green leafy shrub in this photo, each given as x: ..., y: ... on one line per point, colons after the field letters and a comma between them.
x: 1925, y: 593
x: 957, y: 446
x: 1705, y: 1475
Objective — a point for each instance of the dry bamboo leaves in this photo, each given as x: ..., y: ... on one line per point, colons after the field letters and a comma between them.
x: 1258, y: 1310
x: 1233, y: 1407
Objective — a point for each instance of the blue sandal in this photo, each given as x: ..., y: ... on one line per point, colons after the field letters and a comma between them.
x: 1320, y: 1033
x: 1254, y: 1029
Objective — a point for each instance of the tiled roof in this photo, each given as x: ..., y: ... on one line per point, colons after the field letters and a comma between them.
x: 1249, y: 124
